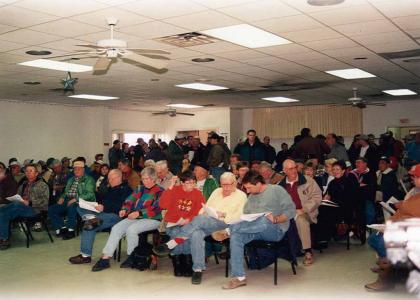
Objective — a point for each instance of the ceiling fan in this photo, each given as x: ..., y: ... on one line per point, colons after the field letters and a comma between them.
x: 171, y: 112
x: 109, y: 50
x: 359, y: 102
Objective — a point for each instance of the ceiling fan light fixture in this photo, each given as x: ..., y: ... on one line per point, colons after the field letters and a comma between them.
x: 93, y: 97
x: 181, y: 105
x: 324, y: 2
x: 38, y: 52
x: 202, y: 86
x: 56, y: 65
x: 247, y: 36
x: 400, y: 92
x: 202, y: 59
x: 32, y: 82
x: 280, y: 99
x: 353, y: 73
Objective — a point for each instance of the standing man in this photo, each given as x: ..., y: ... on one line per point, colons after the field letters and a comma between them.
x: 369, y: 152
x: 218, y: 159
x: 138, y: 156
x: 176, y: 154
x: 270, y: 151
x: 252, y: 149
x: 115, y: 154
x: 307, y: 197
x: 272, y: 200
x: 338, y: 151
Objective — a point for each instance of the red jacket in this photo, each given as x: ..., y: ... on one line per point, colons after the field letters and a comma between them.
x: 180, y: 204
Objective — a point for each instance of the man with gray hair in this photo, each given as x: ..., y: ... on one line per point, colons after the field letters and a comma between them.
x: 106, y: 217
x: 224, y: 206
x: 141, y: 212
x: 269, y: 175
x: 164, y: 176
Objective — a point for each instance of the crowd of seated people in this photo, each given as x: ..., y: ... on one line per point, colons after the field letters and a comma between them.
x: 191, y: 190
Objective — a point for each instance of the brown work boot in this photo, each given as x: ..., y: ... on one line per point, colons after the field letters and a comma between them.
x: 385, y: 278
x: 308, y: 260
x: 220, y: 235
x: 79, y: 259
x: 234, y: 283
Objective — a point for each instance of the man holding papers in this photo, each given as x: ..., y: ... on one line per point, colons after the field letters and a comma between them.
x: 79, y: 186
x: 278, y: 209
x: 107, y: 213
x: 224, y: 206
x: 34, y: 194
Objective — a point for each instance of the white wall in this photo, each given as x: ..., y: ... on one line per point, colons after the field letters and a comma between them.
x: 376, y: 119
x: 39, y: 131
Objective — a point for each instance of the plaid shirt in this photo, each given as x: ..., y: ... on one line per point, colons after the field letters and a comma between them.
x: 72, y: 193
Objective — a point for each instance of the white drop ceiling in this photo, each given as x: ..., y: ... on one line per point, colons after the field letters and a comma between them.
x: 324, y: 38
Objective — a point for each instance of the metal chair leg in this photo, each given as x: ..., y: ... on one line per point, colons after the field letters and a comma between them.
x: 275, y: 271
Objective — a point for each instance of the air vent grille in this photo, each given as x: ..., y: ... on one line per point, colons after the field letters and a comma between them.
x: 188, y: 39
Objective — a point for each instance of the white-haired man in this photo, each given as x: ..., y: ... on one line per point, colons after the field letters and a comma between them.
x: 164, y: 176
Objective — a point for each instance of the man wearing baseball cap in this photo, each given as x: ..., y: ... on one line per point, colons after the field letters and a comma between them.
x: 79, y: 186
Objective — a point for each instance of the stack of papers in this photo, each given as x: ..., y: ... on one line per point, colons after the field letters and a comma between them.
x: 326, y: 202
x: 16, y: 198
x: 249, y: 217
x: 88, y: 205
x: 180, y: 222
x: 210, y: 211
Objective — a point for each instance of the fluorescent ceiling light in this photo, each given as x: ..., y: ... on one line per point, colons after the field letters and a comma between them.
x: 93, y: 97
x: 247, y: 36
x: 56, y: 65
x: 350, y: 73
x: 202, y: 86
x: 180, y: 105
x: 400, y: 92
x: 280, y: 99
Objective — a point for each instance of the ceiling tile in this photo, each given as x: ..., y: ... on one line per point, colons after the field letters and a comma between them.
x: 18, y: 17
x: 66, y: 28
x: 353, y: 14
x: 94, y: 37
x: 307, y: 8
x: 408, y: 22
x: 7, y: 58
x: 396, y: 37
x: 6, y: 28
x: 347, y: 52
x: 203, y: 20
x: 28, y: 37
x: 392, y: 8
x: 311, y: 35
x: 284, y: 49
x: 242, y: 56
x: 221, y: 3
x: 7, y: 46
x: 366, y: 28
x: 393, y: 47
x: 62, y: 8
x: 261, y: 10
x: 292, y: 23
x: 217, y: 47
x: 162, y: 9
x: 98, y: 18
x: 153, y: 30
x: 330, y: 44
x: 65, y: 45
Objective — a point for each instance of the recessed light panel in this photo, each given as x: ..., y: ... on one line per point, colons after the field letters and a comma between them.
x: 350, y: 73
x: 400, y: 92
x: 93, y: 97
x: 247, y: 36
x: 202, y: 86
x: 56, y: 65
x: 180, y: 105
x: 280, y: 99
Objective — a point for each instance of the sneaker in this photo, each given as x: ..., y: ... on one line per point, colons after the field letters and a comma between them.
x: 69, y: 235
x: 196, y: 277
x: 61, y: 232
x: 220, y: 235
x: 161, y: 250
x: 4, y: 244
x: 128, y: 263
x: 153, y: 264
x: 101, y: 265
x: 308, y: 259
x: 80, y: 259
x: 234, y: 283
x: 37, y: 227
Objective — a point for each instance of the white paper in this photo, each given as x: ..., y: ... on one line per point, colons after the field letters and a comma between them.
x: 16, y: 197
x: 377, y: 227
x: 249, y: 217
x: 326, y: 202
x: 178, y: 223
x: 210, y: 211
x: 88, y: 205
x: 190, y: 155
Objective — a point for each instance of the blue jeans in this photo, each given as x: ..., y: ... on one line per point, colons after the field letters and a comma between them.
x: 10, y: 212
x: 88, y: 236
x: 245, y: 232
x: 216, y: 172
x: 370, y: 212
x: 57, y: 211
x: 376, y: 241
x: 195, y: 232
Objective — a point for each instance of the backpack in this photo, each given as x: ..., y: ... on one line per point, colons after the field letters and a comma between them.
x: 141, y: 257
x: 260, y: 258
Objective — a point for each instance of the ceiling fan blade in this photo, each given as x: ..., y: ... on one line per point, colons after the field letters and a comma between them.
x: 154, y: 63
x: 148, y: 51
x: 160, y: 113
x: 71, y: 54
x: 102, y: 64
x: 90, y: 46
x: 376, y: 104
x: 186, y: 114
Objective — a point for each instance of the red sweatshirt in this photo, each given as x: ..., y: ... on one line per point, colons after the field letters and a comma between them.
x: 180, y: 204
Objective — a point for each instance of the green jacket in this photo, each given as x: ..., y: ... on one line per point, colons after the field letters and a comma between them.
x: 85, y: 189
x: 209, y: 186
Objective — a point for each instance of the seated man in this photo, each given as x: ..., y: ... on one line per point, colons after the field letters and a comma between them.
x: 409, y: 208
x: 129, y: 175
x: 278, y: 207
x: 142, y: 213
x: 108, y: 214
x: 228, y: 203
x: 270, y: 176
x: 79, y: 186
x: 35, y: 194
x: 205, y: 182
x: 163, y: 174
x: 183, y: 203
x: 307, y: 197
